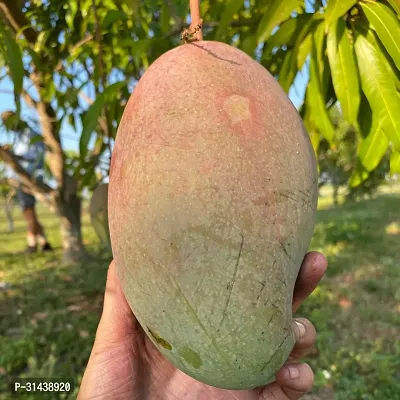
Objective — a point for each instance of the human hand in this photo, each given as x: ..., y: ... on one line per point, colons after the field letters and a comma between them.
x: 124, y: 363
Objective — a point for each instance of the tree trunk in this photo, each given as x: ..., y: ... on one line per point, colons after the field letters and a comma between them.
x: 69, y: 210
x: 335, y: 194
x: 8, y: 211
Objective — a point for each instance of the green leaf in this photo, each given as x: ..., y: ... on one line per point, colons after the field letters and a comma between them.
x: 304, y: 51
x: 165, y: 19
x: 395, y: 163
x: 335, y: 9
x: 93, y: 114
x: 274, y: 62
x: 71, y: 13
x: 315, y: 138
x: 14, y: 60
x: 231, y: 8
x: 49, y: 91
x: 365, y: 117
x: 288, y: 71
x: 37, y: 61
x: 41, y: 40
x: 283, y: 35
x: 379, y: 88
x: 372, y: 149
x: 358, y: 176
x: 287, y: 33
x: 111, y: 17
x: 304, y: 43
x: 344, y: 70
x: 289, y: 68
x: 276, y: 12
x: 36, y: 139
x: 386, y: 25
x: 363, y: 27
x: 249, y: 45
x: 315, y: 93
x: 396, y: 5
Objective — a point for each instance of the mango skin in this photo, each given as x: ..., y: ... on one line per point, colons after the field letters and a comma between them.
x: 212, y: 204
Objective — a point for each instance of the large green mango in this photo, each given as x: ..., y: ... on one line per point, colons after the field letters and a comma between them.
x: 212, y: 204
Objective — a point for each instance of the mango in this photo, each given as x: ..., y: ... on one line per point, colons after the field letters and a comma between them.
x: 212, y: 205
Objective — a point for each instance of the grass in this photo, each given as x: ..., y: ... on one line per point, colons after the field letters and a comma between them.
x: 49, y: 312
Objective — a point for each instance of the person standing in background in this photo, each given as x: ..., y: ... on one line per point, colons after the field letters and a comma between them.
x: 30, y: 153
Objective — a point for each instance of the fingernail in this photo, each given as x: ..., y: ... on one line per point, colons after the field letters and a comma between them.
x: 302, y: 329
x: 294, y: 372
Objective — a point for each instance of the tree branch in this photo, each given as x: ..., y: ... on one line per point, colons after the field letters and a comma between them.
x: 76, y: 46
x: 47, y: 119
x: 17, y: 20
x: 27, y: 179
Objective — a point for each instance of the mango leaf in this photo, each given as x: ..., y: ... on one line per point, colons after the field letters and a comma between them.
x: 41, y: 41
x: 365, y: 116
x: 305, y: 41
x: 287, y: 72
x: 231, y: 8
x: 358, y: 176
x: 36, y: 139
x: 273, y: 62
x: 372, y: 149
x: 249, y: 45
x: 165, y: 19
x: 396, y: 5
x: 71, y: 13
x: 344, y: 70
x: 111, y: 17
x: 395, y: 163
x: 283, y: 35
x: 335, y: 9
x: 304, y: 51
x: 287, y: 33
x: 379, y: 88
x: 315, y: 92
x: 13, y: 55
x: 387, y: 26
x: 277, y: 11
x: 48, y: 92
x: 315, y: 137
x: 363, y: 27
x: 94, y: 112
x: 289, y: 68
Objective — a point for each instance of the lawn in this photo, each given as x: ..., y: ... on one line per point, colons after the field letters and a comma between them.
x: 49, y: 312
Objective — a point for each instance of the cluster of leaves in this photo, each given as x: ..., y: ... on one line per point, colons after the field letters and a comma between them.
x: 91, y: 53
x: 338, y: 162
x: 360, y: 71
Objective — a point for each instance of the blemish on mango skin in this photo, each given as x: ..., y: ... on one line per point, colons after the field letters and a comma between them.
x: 160, y: 340
x: 238, y: 108
x: 191, y: 357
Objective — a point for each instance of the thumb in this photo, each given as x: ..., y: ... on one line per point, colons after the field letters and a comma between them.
x: 117, y: 320
x: 111, y: 358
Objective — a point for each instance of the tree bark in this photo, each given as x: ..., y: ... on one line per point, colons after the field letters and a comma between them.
x: 69, y: 209
x: 9, y: 216
x: 335, y: 194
